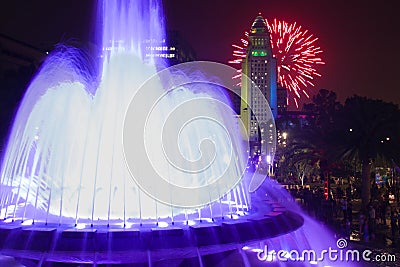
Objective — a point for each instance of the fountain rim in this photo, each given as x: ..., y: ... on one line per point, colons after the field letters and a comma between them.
x: 111, y: 245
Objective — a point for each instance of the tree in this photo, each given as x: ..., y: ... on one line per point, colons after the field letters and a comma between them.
x: 308, y: 149
x: 364, y: 130
x: 323, y: 107
x: 307, y: 152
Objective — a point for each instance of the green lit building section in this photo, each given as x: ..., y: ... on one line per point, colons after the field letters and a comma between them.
x: 259, y: 66
x: 259, y: 53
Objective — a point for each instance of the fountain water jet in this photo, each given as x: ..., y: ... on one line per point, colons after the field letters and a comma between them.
x: 64, y: 162
x: 64, y: 169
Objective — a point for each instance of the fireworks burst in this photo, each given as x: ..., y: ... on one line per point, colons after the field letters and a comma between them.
x: 297, y: 57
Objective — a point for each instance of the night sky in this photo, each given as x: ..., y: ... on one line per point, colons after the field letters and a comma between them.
x: 360, y: 39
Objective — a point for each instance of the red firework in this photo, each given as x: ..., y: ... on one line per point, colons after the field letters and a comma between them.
x: 297, y: 57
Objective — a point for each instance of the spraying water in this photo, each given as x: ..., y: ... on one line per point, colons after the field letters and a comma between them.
x: 64, y: 162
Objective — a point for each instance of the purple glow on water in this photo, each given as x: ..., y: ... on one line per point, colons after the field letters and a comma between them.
x: 64, y: 162
x: 313, y: 235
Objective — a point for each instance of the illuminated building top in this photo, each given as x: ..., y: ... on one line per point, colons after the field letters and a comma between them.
x: 259, y: 23
x: 260, y: 66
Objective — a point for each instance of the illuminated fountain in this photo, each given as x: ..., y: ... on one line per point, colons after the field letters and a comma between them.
x: 65, y: 162
x: 68, y: 192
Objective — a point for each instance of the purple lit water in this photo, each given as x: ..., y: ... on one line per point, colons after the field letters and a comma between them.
x: 64, y: 161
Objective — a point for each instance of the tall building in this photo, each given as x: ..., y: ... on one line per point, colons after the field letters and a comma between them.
x: 174, y: 49
x: 282, y: 96
x: 260, y: 66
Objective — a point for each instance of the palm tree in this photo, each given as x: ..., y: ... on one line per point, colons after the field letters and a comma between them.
x: 324, y: 106
x: 309, y: 145
x: 364, y: 130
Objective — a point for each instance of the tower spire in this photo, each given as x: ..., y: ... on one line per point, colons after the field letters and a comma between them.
x: 260, y: 66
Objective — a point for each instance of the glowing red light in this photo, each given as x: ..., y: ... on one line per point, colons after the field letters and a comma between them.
x: 326, y: 189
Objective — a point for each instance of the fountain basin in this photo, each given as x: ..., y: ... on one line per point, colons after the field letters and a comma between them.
x: 148, y: 242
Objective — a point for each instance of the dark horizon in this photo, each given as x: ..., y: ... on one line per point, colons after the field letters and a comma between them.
x: 359, y: 40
